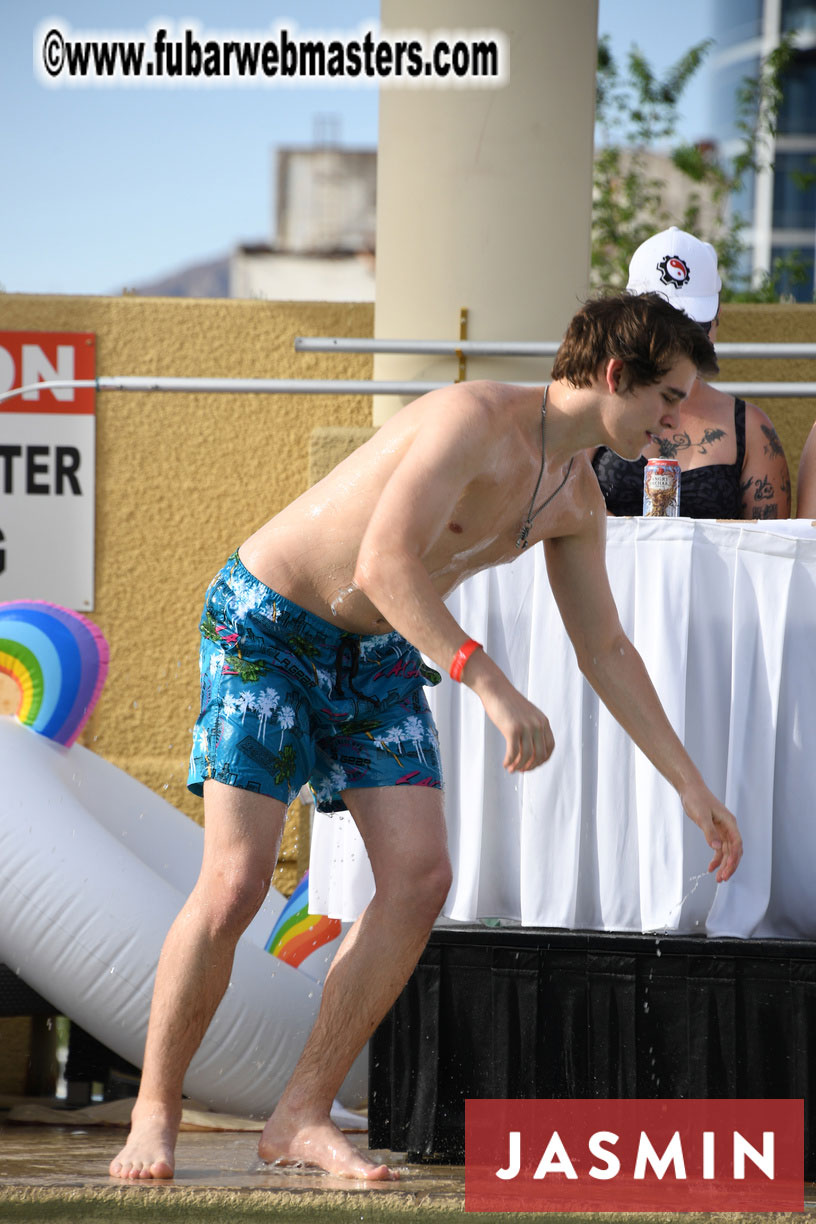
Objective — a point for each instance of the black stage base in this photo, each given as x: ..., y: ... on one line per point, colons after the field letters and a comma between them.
x: 560, y: 1014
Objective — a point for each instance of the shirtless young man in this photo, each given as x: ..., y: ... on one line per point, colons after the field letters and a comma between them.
x: 318, y: 600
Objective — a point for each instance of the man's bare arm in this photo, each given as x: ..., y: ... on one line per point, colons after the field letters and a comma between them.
x: 413, y: 509
x: 577, y: 572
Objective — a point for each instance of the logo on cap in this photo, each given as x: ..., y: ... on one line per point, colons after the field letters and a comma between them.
x: 674, y: 271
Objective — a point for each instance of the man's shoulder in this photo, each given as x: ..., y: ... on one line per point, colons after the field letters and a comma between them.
x: 480, y: 404
x: 490, y: 394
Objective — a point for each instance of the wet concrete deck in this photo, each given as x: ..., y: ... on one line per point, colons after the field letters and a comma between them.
x: 58, y: 1174
x: 48, y: 1168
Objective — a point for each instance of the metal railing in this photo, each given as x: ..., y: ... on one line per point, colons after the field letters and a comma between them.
x: 339, y: 386
x: 460, y: 348
x: 511, y: 348
x: 267, y: 386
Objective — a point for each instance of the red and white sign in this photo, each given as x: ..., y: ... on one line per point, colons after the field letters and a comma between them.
x: 636, y: 1155
x: 47, y: 468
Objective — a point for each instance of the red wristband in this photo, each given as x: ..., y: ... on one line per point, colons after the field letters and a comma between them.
x: 461, y: 657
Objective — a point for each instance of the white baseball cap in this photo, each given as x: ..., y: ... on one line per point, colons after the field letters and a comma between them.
x: 680, y: 267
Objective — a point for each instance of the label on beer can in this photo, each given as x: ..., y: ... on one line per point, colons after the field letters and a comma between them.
x: 661, y: 488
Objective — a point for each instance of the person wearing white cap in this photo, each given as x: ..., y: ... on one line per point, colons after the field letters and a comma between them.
x: 732, y: 463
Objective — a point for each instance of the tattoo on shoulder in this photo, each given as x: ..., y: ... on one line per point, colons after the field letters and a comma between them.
x: 709, y: 436
x: 670, y: 447
x: 772, y: 445
x: 765, y: 512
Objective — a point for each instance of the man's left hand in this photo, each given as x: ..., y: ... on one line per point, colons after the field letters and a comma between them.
x: 718, y: 827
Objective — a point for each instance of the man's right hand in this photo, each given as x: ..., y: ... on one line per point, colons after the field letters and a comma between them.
x: 525, y: 728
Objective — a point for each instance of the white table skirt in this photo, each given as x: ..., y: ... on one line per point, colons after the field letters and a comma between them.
x: 724, y: 615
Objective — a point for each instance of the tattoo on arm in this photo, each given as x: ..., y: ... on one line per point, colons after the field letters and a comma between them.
x: 772, y: 446
x: 765, y: 495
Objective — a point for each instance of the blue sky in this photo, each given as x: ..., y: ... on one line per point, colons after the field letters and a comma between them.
x: 105, y: 188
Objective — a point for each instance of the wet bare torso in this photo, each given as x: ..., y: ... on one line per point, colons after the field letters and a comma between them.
x: 309, y: 550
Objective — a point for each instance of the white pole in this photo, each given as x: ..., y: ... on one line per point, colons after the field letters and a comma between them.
x: 484, y: 195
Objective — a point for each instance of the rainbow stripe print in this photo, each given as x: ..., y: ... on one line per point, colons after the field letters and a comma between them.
x: 297, y: 933
x: 58, y: 660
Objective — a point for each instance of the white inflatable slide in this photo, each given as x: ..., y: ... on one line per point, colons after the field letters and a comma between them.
x: 94, y: 867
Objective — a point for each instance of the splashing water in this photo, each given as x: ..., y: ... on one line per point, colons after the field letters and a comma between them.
x: 695, y: 884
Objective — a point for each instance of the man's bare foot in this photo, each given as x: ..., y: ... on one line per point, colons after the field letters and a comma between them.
x: 288, y: 1139
x: 149, y: 1151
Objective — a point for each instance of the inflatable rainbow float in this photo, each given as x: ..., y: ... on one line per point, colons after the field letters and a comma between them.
x: 94, y: 866
x: 59, y: 661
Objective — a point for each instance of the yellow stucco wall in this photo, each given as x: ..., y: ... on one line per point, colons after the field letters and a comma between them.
x: 181, y: 480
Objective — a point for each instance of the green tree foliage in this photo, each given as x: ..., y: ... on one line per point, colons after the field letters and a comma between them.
x: 636, y: 114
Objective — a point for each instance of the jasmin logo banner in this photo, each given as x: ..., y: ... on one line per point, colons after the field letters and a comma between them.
x: 634, y: 1155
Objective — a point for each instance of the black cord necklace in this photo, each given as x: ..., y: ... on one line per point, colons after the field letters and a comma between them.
x: 521, y: 538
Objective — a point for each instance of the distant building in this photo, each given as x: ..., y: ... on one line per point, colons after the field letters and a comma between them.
x: 326, y: 199
x: 323, y: 231
x: 325, y: 227
x: 259, y: 271
x: 780, y: 202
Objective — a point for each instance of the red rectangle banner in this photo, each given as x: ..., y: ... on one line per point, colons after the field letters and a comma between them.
x: 28, y: 359
x: 636, y: 1155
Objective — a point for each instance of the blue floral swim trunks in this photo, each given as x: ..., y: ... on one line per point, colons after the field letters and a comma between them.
x: 288, y: 698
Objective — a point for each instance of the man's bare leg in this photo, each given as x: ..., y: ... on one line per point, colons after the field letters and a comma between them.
x: 404, y: 832
x: 241, y: 839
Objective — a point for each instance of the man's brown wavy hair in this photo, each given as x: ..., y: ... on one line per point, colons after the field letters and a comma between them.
x: 643, y: 330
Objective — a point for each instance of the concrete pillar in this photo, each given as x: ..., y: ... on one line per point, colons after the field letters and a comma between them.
x: 484, y: 195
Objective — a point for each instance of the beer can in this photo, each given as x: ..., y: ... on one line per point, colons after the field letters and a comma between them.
x: 661, y: 488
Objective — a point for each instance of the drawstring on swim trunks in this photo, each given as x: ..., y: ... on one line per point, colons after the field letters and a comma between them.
x: 352, y: 644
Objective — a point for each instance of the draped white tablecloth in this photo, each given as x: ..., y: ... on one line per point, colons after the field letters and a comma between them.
x: 724, y: 615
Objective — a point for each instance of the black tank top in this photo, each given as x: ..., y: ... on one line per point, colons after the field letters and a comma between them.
x: 705, y: 492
